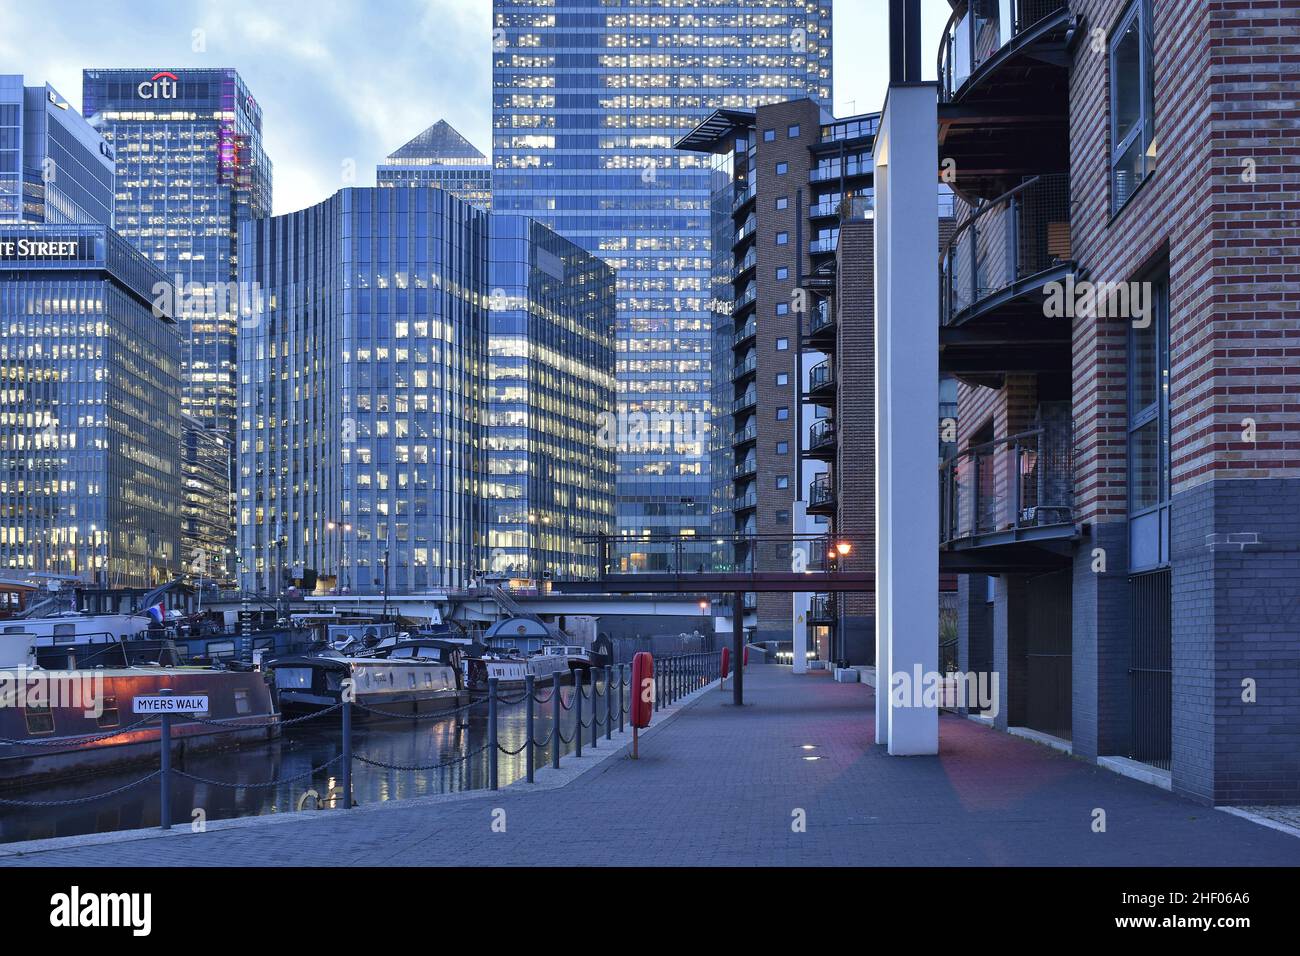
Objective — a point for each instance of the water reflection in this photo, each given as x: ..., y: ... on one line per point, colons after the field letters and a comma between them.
x: 301, y: 748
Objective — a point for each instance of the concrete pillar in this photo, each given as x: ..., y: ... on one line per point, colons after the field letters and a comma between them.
x: 907, y: 413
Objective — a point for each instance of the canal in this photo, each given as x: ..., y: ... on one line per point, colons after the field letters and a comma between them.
x: 290, y: 760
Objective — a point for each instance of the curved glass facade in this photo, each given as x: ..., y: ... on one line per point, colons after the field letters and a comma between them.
x: 588, y: 100
x: 361, y: 371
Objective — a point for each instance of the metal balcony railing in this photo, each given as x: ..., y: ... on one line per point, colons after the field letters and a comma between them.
x: 824, y: 244
x: 978, y: 30
x: 1010, y: 485
x: 821, y: 375
x: 822, y: 608
x: 748, y: 400
x: 822, y: 316
x: 741, y: 369
x: 745, y: 501
x: 1020, y: 234
x: 747, y: 434
x: 821, y: 491
x: 750, y: 260
x: 745, y: 468
x: 745, y: 298
x: 745, y: 195
x: 746, y: 331
x: 746, y: 230
x: 821, y: 434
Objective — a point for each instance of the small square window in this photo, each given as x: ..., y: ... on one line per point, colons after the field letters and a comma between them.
x: 782, y: 516
x: 783, y: 448
x: 783, y: 272
x: 793, y: 131
x: 783, y: 378
x: 782, y: 168
x: 782, y: 202
x: 783, y: 308
x: 769, y: 135
x: 782, y: 238
x: 782, y: 344
x: 783, y: 414
x: 783, y: 481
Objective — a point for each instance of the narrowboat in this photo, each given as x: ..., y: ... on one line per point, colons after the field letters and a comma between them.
x: 58, y: 724
x: 392, y: 686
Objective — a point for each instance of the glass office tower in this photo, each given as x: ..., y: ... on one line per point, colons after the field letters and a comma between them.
x: 550, y: 488
x: 53, y: 166
x: 440, y: 157
x: 90, y: 417
x: 587, y: 103
x: 361, y: 374
x: 190, y: 167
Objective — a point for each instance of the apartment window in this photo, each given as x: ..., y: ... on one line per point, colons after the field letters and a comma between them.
x: 782, y: 516
x: 782, y: 168
x: 782, y: 238
x: 782, y: 344
x: 783, y: 272
x: 783, y: 308
x: 783, y: 481
x: 783, y: 378
x: 769, y: 135
x: 782, y: 202
x: 1132, y: 119
x: 783, y: 414
x: 793, y: 131
x: 783, y: 448
x: 1148, y: 432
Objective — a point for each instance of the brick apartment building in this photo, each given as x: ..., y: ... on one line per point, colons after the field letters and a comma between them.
x: 792, y: 217
x: 1124, y: 507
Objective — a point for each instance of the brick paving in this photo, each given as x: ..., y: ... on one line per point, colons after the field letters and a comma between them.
x: 720, y: 786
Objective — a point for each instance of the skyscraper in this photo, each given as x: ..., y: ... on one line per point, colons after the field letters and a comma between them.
x: 440, y: 157
x: 54, y: 168
x: 587, y: 103
x: 190, y: 167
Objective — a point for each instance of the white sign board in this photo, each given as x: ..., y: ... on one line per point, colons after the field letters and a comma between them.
x: 170, y: 704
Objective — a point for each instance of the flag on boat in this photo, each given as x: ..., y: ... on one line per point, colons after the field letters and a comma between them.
x: 157, y: 612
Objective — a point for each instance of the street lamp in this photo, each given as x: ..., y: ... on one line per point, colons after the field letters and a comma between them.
x: 843, y: 548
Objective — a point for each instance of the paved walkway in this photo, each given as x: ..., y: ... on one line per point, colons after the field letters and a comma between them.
x: 720, y: 786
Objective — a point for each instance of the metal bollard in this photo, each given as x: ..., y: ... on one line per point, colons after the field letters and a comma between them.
x: 620, y: 697
x: 609, y: 704
x: 492, y: 732
x: 577, y: 709
x: 165, y: 779
x: 530, y: 757
x: 347, y: 753
x: 595, y: 709
x: 556, y: 742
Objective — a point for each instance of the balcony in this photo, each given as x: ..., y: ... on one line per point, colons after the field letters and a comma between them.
x: 825, y: 210
x: 744, y: 470
x: 1003, y: 69
x: 745, y: 299
x: 745, y: 369
x: 822, y: 609
x: 745, y: 502
x: 744, y: 402
x: 745, y: 265
x: 995, y: 273
x: 745, y: 333
x: 745, y: 436
x: 821, y: 383
x: 821, y: 496
x: 1008, y: 505
x: 821, y: 440
x: 821, y: 327
x: 823, y: 245
x: 744, y: 197
x: 745, y: 232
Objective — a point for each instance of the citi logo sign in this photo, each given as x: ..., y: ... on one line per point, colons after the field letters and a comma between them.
x: 161, y: 86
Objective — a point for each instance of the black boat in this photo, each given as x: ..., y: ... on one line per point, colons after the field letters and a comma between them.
x: 384, y: 687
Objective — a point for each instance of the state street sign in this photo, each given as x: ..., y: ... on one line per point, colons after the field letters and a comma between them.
x: 170, y: 704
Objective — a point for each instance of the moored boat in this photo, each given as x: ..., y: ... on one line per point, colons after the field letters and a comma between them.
x: 382, y: 686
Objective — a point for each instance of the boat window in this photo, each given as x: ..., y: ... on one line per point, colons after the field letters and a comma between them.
x: 411, y: 679
x: 292, y: 677
x: 108, y: 715
x: 65, y: 633
x: 221, y: 649
x: 428, y: 679
x: 40, y: 720
x: 242, y: 706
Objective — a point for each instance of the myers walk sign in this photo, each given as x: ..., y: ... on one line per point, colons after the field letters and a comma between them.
x: 168, y: 704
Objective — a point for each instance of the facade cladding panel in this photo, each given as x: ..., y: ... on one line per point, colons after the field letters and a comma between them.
x: 550, y: 436
x: 362, y: 377
x: 587, y: 104
x: 90, y: 416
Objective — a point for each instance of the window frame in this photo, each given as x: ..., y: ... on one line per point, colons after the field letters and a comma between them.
x: 1144, y: 129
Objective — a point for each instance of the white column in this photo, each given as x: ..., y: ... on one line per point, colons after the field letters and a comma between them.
x: 907, y: 415
x: 802, y: 599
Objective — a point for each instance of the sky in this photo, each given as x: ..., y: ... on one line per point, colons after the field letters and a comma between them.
x: 342, y: 84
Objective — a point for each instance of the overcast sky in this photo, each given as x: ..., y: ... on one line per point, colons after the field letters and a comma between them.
x: 349, y: 81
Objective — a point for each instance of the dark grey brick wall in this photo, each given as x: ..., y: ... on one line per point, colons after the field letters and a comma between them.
x: 1236, y: 615
x: 1009, y: 650
x: 1101, y: 652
